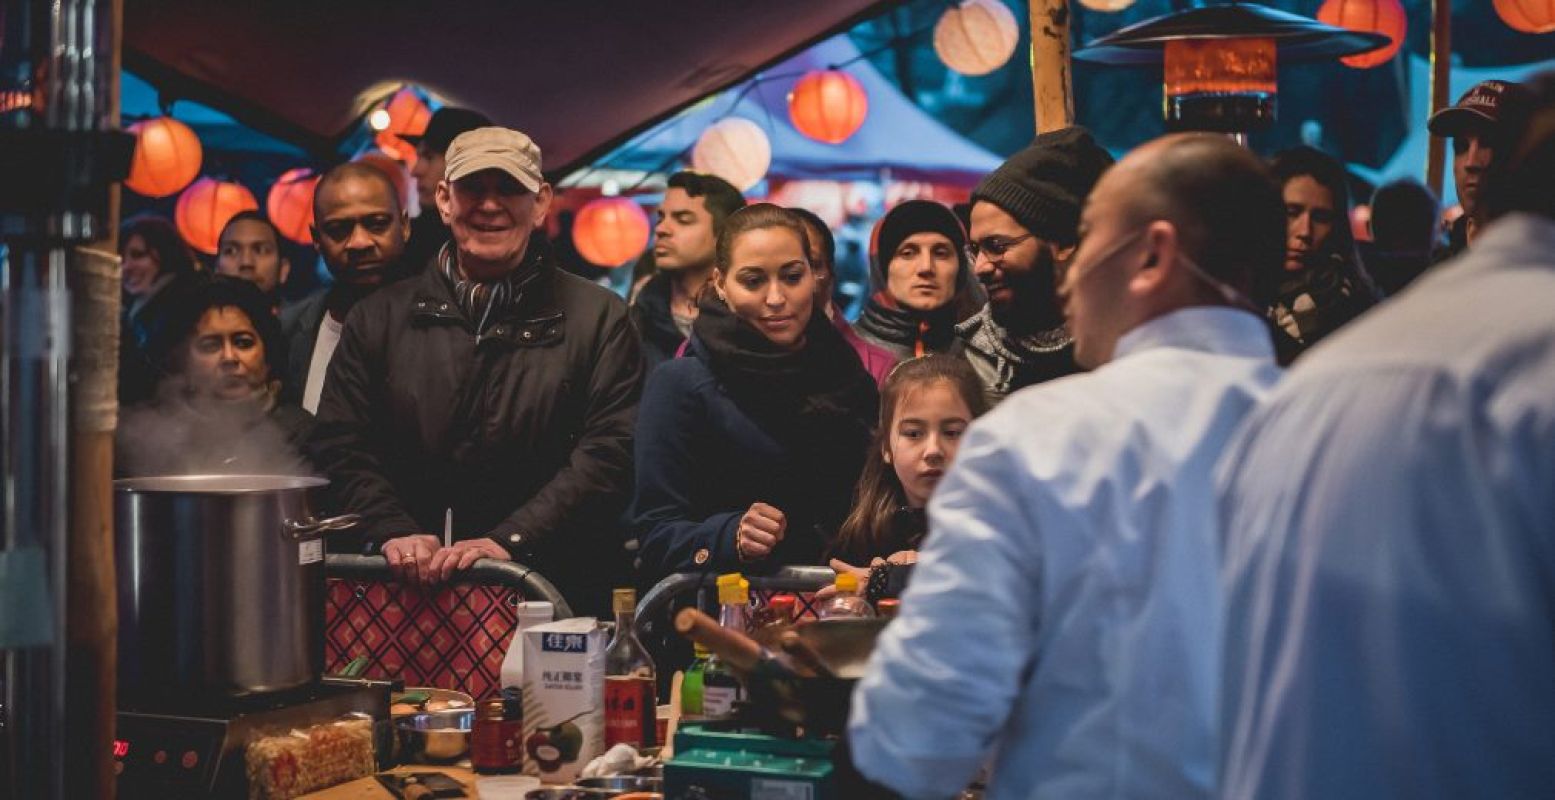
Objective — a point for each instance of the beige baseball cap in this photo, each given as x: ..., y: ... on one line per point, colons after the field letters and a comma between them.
x: 494, y: 148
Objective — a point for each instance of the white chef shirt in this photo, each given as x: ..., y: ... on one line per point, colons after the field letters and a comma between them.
x: 1064, y: 611
x: 1390, y: 561
x: 323, y: 351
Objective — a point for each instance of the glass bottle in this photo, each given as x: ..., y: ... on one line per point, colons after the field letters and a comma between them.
x: 691, y: 684
x: 846, y: 602
x: 631, y: 703
x: 721, y: 689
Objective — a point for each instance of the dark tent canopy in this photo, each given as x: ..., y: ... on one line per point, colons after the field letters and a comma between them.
x: 577, y: 76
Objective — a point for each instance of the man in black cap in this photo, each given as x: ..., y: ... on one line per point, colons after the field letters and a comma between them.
x: 427, y: 231
x: 1025, y: 215
x: 1485, y: 119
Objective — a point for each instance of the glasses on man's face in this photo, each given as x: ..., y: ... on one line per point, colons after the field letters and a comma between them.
x: 993, y: 246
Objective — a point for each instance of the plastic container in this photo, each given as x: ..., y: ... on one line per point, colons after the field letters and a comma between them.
x: 846, y: 603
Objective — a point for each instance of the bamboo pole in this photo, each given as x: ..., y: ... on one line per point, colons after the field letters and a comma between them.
x: 1052, y: 84
x: 1441, y: 87
x: 91, y: 601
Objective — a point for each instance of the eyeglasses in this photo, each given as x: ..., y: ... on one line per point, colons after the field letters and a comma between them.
x: 994, y: 246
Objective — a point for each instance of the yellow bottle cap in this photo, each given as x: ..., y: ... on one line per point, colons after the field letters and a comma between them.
x: 847, y: 582
x: 700, y: 651
x: 624, y: 600
x: 733, y: 589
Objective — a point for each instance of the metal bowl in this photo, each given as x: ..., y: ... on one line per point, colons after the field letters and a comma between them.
x: 435, y: 737
x: 624, y: 783
x: 567, y: 793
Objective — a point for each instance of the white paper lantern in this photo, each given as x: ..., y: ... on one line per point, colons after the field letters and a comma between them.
x: 734, y: 149
x: 1106, y: 5
x: 976, y: 37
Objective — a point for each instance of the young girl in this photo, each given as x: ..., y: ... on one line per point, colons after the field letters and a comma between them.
x: 746, y: 446
x: 925, y: 407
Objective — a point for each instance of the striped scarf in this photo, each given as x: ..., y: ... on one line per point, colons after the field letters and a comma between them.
x: 485, y: 301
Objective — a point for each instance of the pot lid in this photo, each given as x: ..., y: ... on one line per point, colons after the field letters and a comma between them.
x: 218, y: 484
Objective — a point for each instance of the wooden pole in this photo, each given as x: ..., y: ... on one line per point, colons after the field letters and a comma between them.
x: 1441, y: 86
x: 1052, y: 84
x: 91, y: 601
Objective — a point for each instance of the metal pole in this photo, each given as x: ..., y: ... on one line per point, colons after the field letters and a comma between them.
x: 1051, y: 79
x: 1441, y: 87
x: 53, y: 53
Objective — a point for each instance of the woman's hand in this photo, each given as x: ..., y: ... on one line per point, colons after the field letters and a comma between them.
x: 761, y: 528
x: 902, y: 557
x: 839, y: 566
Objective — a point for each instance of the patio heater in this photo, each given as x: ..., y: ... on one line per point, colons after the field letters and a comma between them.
x: 1220, y: 63
x: 59, y: 156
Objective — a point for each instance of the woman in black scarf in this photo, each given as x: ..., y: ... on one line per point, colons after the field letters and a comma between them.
x: 748, y: 447
x: 922, y: 281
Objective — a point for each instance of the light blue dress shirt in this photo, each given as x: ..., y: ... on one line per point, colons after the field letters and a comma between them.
x: 1063, y: 617
x: 1390, y: 561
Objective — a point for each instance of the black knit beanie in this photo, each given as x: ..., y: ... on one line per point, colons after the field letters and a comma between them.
x: 911, y: 217
x: 1044, y: 186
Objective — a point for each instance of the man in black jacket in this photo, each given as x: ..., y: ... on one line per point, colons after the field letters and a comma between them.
x: 484, y: 408
x: 361, y: 231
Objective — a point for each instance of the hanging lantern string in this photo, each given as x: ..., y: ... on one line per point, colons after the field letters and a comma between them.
x: 749, y: 86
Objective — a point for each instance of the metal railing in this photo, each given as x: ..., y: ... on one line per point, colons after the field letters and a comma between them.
x: 524, y: 580
x: 652, y: 609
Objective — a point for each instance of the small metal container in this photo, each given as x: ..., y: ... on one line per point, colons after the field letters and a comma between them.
x: 435, y: 737
x: 624, y: 783
x: 567, y: 793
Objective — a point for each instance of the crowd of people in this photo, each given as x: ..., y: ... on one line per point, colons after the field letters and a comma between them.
x: 1135, y: 557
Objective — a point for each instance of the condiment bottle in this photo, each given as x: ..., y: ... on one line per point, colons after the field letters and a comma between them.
x: 888, y: 607
x: 497, y: 740
x: 691, y: 684
x: 630, y: 684
x: 846, y: 602
x: 720, y: 688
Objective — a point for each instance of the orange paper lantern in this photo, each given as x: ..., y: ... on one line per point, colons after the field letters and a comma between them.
x: 610, y: 231
x: 1528, y: 16
x: 828, y: 106
x: 167, y: 157
x: 397, y: 148
x: 1368, y: 16
x: 206, y: 207
x: 290, y: 204
x: 408, y: 114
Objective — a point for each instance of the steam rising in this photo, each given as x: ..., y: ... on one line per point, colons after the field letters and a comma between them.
x: 180, y: 436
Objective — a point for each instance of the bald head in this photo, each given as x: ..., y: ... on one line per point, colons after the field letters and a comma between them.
x: 1181, y: 221
x: 1222, y: 199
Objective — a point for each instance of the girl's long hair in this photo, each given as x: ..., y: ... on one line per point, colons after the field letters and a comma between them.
x: 868, y: 529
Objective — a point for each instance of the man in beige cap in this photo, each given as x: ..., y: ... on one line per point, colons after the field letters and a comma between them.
x: 484, y: 409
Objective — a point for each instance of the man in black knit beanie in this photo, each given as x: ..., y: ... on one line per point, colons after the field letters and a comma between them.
x: 1024, y: 220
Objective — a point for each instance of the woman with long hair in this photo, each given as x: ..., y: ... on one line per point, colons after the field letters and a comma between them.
x: 1323, y: 285
x: 158, y: 272
x: 925, y: 408
x: 748, y: 445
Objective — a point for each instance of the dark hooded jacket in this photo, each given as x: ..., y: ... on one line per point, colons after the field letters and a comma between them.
x: 655, y: 323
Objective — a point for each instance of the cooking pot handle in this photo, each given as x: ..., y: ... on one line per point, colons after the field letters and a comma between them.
x: 310, y: 528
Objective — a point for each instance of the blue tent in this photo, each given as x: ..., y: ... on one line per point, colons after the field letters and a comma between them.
x: 897, y: 137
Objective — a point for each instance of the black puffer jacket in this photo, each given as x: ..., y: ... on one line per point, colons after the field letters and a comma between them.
x: 526, y: 432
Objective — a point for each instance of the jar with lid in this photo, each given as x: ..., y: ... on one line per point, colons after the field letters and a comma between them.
x: 497, y: 741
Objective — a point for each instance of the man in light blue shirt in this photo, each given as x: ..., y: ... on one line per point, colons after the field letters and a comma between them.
x: 1063, y: 618
x: 1390, y: 552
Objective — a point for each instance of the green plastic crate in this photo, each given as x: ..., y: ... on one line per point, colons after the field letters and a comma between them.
x: 717, y: 761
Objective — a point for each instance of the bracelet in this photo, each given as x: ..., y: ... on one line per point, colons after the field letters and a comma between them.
x: 879, y: 579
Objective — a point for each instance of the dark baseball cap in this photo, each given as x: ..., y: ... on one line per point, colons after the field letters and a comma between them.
x: 1491, y: 107
x: 446, y: 125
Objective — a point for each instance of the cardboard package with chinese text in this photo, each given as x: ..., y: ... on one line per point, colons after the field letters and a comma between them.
x: 564, y: 687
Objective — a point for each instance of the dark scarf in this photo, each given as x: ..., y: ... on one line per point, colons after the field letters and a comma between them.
x: 823, y: 384
x: 484, y: 302
x: 919, y: 332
